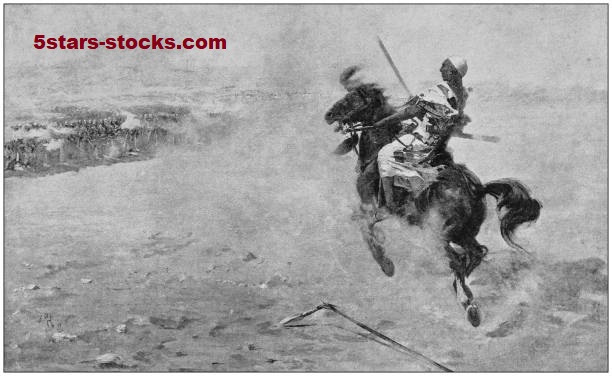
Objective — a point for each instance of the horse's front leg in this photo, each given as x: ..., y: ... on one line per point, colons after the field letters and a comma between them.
x: 375, y: 240
x: 464, y: 294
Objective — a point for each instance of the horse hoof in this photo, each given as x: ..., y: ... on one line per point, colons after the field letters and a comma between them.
x: 387, y: 266
x: 473, y: 315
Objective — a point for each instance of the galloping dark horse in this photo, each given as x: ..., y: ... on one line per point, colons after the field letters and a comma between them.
x: 456, y: 194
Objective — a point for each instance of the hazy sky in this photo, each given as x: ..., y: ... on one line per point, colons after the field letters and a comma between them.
x: 539, y: 45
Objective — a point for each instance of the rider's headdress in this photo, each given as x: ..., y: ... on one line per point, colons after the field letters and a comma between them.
x: 460, y: 64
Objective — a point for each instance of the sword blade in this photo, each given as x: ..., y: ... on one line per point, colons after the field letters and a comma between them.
x: 477, y: 137
x: 395, y: 70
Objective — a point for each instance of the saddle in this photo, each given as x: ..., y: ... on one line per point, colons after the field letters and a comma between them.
x: 414, y: 173
x: 419, y: 182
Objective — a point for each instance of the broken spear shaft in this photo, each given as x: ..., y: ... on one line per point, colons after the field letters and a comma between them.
x: 393, y: 66
x: 300, y: 316
x: 395, y: 344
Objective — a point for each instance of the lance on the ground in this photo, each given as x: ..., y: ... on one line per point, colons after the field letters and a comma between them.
x: 430, y: 363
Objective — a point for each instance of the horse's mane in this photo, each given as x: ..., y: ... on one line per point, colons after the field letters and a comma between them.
x: 377, y: 92
x: 352, y: 83
x: 372, y: 89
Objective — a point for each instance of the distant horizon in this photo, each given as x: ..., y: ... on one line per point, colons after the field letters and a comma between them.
x: 535, y: 45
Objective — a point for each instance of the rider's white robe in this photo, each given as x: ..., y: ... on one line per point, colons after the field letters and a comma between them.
x: 388, y: 166
x: 417, y: 141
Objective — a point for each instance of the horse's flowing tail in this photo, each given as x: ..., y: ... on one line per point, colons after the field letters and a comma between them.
x: 520, y: 207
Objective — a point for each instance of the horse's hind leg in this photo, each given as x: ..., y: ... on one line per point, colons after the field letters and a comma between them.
x: 375, y: 243
x: 475, y: 252
x: 457, y: 262
x: 460, y: 263
x: 472, y: 310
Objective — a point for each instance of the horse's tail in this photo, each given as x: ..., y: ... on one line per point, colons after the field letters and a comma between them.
x: 520, y: 207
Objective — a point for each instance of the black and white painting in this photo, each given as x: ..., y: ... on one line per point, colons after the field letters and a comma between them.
x: 305, y: 187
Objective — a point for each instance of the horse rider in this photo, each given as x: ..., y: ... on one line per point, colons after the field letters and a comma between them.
x: 371, y: 140
x: 427, y: 123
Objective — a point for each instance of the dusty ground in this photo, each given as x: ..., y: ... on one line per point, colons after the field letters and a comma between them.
x: 202, y: 250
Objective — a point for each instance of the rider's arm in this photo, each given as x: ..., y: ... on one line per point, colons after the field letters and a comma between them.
x: 407, y: 111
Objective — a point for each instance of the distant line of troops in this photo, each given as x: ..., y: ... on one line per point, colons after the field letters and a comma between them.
x: 107, y: 122
x: 29, y: 126
x: 27, y: 151
x: 113, y: 122
x: 32, y: 152
x: 101, y: 132
x: 160, y: 116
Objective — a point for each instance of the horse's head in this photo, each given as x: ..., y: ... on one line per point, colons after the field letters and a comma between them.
x: 363, y: 103
x: 339, y: 111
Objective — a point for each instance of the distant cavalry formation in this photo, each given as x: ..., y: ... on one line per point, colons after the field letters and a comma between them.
x: 78, y: 136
